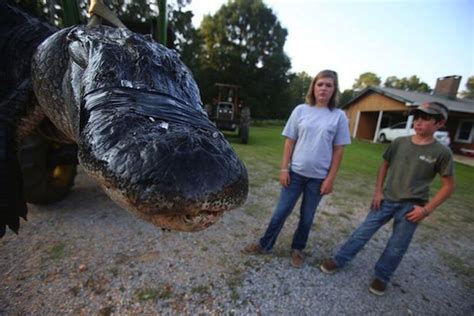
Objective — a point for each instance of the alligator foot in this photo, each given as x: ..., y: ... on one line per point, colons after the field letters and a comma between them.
x: 12, y: 203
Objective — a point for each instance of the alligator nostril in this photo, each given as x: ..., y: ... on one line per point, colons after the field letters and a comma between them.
x: 188, y: 219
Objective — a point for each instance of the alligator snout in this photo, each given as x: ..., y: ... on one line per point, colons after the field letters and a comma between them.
x: 178, y: 175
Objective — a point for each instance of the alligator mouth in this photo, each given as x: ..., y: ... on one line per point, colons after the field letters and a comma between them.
x: 186, y: 223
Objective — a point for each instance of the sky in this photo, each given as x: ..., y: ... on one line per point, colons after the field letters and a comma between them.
x: 427, y: 38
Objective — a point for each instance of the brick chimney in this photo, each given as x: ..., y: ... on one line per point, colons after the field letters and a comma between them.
x: 447, y: 86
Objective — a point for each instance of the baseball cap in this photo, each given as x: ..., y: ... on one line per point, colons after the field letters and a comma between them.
x: 432, y: 108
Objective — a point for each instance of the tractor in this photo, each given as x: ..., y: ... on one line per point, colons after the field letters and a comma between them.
x: 228, y: 112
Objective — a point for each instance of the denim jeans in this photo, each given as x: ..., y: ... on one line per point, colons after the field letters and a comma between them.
x: 397, y: 245
x: 310, y: 188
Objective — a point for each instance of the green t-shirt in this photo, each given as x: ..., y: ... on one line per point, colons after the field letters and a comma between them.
x: 413, y: 167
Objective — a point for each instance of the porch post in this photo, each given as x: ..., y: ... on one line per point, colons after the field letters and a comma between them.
x: 377, y: 128
x: 356, y: 125
x: 408, y: 126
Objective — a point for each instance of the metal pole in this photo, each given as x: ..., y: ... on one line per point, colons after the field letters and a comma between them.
x: 70, y: 13
x: 162, y: 27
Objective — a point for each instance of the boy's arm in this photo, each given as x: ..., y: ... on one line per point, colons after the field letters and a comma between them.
x: 420, y: 212
x: 378, y: 193
x: 327, y: 185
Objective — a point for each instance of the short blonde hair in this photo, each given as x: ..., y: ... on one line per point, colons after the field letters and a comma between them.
x: 310, y: 99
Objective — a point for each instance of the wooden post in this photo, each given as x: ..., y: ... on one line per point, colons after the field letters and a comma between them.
x: 377, y: 128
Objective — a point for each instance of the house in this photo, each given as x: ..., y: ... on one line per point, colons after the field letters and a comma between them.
x: 375, y: 108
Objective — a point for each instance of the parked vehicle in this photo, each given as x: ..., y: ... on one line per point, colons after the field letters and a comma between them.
x: 228, y: 112
x: 394, y: 131
x: 399, y: 129
x: 442, y: 136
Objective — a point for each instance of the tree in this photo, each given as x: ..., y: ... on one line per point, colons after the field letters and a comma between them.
x: 412, y: 83
x: 469, y: 92
x: 392, y: 82
x: 297, y: 89
x: 346, y: 96
x: 187, y: 40
x: 133, y: 12
x: 366, y: 79
x: 243, y: 44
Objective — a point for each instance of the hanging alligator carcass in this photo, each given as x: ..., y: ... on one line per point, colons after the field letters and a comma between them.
x: 130, y: 106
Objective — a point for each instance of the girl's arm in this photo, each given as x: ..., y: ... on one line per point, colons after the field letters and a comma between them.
x: 327, y: 185
x: 285, y: 162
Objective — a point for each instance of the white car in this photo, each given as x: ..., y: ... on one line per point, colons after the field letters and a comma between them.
x: 399, y: 129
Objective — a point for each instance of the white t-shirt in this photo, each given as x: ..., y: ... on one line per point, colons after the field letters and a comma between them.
x: 316, y: 131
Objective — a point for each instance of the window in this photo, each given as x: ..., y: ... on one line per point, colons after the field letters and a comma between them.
x: 399, y: 125
x: 465, y: 132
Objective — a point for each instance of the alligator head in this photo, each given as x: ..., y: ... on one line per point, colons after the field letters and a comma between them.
x: 135, y: 112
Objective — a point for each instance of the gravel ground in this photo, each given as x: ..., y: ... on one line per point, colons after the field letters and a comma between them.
x: 86, y: 256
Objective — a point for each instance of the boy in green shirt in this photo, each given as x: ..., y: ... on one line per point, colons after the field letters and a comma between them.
x: 410, y: 164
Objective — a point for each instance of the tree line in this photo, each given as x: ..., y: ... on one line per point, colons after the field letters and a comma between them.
x: 242, y: 44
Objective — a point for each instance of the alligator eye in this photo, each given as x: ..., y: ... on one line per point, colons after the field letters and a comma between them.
x: 78, y: 54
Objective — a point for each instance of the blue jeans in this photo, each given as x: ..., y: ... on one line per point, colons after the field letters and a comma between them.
x: 397, y: 245
x: 310, y: 188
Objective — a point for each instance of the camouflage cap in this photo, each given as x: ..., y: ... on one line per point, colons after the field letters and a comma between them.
x: 432, y: 108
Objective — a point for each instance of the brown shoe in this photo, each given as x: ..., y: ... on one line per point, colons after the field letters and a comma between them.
x: 253, y: 249
x: 328, y: 266
x: 378, y: 287
x: 297, y: 258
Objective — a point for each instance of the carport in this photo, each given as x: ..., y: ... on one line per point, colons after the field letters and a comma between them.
x: 371, y: 111
x: 368, y: 123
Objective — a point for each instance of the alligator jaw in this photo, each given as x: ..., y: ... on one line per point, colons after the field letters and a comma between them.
x: 178, y: 213
x: 187, y: 223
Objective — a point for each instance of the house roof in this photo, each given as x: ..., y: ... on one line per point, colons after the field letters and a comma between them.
x: 412, y: 98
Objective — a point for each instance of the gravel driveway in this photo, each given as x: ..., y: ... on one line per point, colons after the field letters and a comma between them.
x: 86, y: 256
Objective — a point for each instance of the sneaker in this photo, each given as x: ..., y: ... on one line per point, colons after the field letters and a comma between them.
x: 328, y: 266
x: 378, y: 287
x: 297, y: 258
x: 253, y: 249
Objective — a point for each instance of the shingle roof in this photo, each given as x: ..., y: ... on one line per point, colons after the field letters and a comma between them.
x: 412, y: 98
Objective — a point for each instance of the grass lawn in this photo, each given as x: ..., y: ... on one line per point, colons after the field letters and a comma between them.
x: 449, y: 229
x: 361, y: 160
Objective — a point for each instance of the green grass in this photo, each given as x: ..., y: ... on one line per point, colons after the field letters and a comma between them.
x: 234, y: 281
x: 360, y: 163
x: 201, y: 289
x: 164, y: 292
x: 57, y: 251
x: 147, y: 294
x: 265, y: 144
